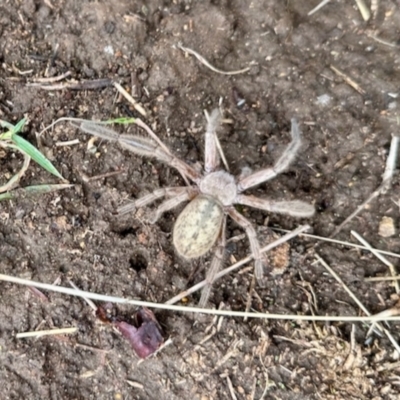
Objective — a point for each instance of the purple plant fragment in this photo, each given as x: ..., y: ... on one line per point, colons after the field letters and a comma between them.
x: 147, y: 337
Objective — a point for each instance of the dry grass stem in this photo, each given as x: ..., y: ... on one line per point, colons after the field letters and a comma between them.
x: 231, y: 390
x: 101, y: 176
x: 392, y: 268
x: 237, y: 265
x: 208, y: 65
x: 391, y: 163
x: 374, y: 7
x: 382, y: 41
x: 318, y: 7
x: 167, y: 343
x: 74, y: 85
x: 88, y: 301
x: 68, y: 143
x: 53, y: 78
x: 253, y: 389
x: 346, y: 288
x: 382, y: 278
x: 14, y: 181
x: 341, y: 242
x: 358, y: 302
x: 60, y: 120
x: 134, y: 384
x: 268, y: 385
x: 364, y: 10
x: 385, y: 185
x: 356, y: 212
x: 139, y: 108
x: 61, y: 331
x: 348, y: 80
x: 163, y: 306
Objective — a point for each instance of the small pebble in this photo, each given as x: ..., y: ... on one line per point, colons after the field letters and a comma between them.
x: 386, y: 227
x: 324, y: 100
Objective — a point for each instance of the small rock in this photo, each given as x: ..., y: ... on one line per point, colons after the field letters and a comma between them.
x: 386, y: 227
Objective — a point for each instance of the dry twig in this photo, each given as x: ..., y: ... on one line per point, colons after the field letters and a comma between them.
x: 382, y: 41
x: 75, y: 85
x: 341, y: 242
x: 358, y: 302
x: 348, y: 80
x: 364, y: 10
x: 385, y: 185
x: 318, y: 7
x: 395, y: 316
x: 235, y: 266
x: 392, y: 268
x: 208, y: 65
x: 61, y: 331
x: 139, y: 108
x: 52, y: 79
x: 231, y: 390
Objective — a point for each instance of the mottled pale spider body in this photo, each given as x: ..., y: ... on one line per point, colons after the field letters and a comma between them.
x: 201, y: 224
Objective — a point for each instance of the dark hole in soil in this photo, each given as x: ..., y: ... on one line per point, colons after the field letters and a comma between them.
x: 166, y: 222
x: 125, y: 232
x: 324, y: 204
x: 138, y: 262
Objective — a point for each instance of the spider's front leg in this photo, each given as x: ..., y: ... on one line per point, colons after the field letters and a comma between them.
x: 211, y: 157
x: 153, y: 147
x: 283, y: 162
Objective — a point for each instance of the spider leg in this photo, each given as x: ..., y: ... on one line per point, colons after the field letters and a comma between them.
x: 254, y: 244
x: 295, y: 208
x: 211, y: 157
x: 283, y: 162
x: 153, y: 196
x: 143, y: 147
x: 186, y: 194
x: 214, y: 267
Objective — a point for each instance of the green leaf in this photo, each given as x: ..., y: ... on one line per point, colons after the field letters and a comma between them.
x: 5, y: 124
x: 11, y: 128
x: 121, y: 121
x: 19, y: 126
x: 27, y: 148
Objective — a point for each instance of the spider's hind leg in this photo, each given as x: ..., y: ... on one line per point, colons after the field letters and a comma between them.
x: 214, y: 267
x: 254, y: 244
x: 294, y: 208
x: 174, y: 192
x: 186, y: 194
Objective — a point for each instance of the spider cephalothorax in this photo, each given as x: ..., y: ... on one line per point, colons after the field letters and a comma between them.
x: 212, y: 196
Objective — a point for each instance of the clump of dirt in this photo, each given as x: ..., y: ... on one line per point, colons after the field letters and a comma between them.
x: 333, y: 72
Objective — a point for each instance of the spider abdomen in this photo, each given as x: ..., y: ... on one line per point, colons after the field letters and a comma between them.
x: 198, y: 227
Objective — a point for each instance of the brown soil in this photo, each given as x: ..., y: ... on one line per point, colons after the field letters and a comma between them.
x: 76, y: 235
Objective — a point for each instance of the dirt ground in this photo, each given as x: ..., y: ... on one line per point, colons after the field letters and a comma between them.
x: 75, y: 234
